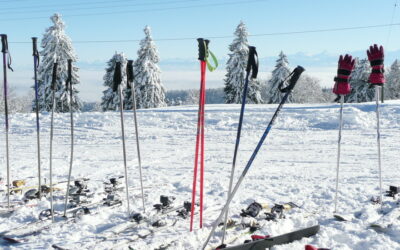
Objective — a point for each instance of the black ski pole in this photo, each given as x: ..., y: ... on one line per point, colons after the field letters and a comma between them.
x: 71, y: 111
x: 6, y: 64
x: 117, y: 86
x: 130, y: 78
x: 252, y: 66
x: 53, y: 101
x: 35, y: 67
x: 292, y: 82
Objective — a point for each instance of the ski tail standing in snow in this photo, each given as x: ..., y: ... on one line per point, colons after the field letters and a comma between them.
x: 130, y: 76
x: 117, y: 86
x: 68, y: 86
x: 36, y: 62
x: 377, y: 79
x: 294, y: 77
x: 6, y: 64
x: 203, y: 57
x: 342, y: 88
x: 252, y: 66
x: 53, y: 106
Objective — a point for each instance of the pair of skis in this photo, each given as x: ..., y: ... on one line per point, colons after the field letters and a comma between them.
x: 204, y: 53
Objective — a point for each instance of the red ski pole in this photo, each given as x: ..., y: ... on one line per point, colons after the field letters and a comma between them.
x: 196, y: 160
x: 203, y: 54
x: 203, y: 102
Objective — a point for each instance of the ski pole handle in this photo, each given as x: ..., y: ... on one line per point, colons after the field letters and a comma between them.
x: 203, y: 48
x: 129, y: 73
x: 69, y: 79
x: 252, y: 62
x: 117, y: 76
x: 295, y: 75
x: 4, y: 43
x: 34, y: 46
x: 54, y: 78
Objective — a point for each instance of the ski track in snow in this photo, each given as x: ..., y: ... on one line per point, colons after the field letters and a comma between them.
x: 296, y: 163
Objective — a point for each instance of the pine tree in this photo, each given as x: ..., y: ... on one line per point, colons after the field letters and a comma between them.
x: 254, y: 92
x: 149, y: 90
x: 393, y: 81
x: 280, y: 73
x: 110, y: 99
x: 56, y: 46
x: 236, y: 66
x: 360, y: 88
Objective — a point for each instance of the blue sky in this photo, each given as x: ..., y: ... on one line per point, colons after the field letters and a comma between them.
x: 100, y: 20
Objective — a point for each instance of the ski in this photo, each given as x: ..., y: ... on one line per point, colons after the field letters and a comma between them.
x: 19, y: 235
x: 384, y: 223
x: 155, y: 221
x: 268, y: 242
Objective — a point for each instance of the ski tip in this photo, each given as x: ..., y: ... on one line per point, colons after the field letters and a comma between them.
x: 11, y: 240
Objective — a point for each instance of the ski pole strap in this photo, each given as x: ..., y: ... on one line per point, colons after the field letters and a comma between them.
x: 129, y: 72
x: 117, y: 76
x: 4, y: 49
x: 252, y: 62
x: 54, y: 77
x: 35, y: 51
x: 294, y: 77
x: 204, y: 53
x: 68, y: 83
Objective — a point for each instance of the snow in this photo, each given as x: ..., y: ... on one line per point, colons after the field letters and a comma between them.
x: 296, y: 163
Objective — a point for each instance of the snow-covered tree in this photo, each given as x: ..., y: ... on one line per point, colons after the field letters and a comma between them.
x: 360, y: 87
x: 392, y: 90
x: 110, y: 99
x: 308, y: 90
x: 280, y: 73
x: 56, y: 46
x: 149, y: 90
x: 254, y: 92
x: 236, y: 66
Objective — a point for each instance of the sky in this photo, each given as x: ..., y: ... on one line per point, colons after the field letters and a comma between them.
x: 319, y: 32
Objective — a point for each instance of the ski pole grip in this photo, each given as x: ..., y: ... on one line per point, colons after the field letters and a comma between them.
x: 117, y: 76
x: 252, y: 62
x: 54, y: 78
x: 129, y: 72
x: 202, y: 48
x: 3, y: 43
x: 295, y: 75
x: 34, y: 46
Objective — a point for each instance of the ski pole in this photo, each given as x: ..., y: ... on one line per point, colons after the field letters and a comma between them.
x: 202, y: 57
x: 202, y: 148
x: 117, y: 86
x: 35, y: 67
x: 6, y: 64
x: 338, y: 152
x: 292, y: 82
x: 341, y: 88
x: 377, y: 77
x: 53, y: 101
x: 252, y: 66
x: 129, y: 71
x: 69, y: 88
x: 378, y: 139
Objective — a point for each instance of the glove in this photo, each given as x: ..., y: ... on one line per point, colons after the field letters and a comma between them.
x: 345, y: 66
x: 375, y: 57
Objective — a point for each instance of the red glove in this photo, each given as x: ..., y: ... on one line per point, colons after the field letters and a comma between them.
x: 375, y: 57
x: 345, y: 66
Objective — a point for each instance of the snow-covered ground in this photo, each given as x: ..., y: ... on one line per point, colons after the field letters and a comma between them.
x: 296, y: 163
